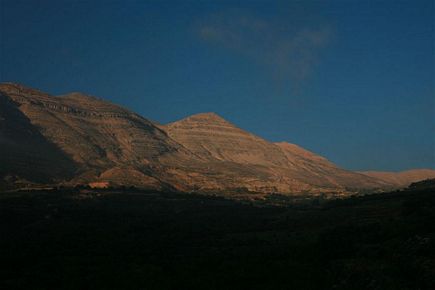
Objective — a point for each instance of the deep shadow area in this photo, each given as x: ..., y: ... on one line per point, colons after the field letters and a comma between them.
x: 82, y: 239
x: 25, y: 152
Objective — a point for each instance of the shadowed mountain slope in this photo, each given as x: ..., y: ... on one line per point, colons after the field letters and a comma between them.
x: 96, y: 135
x: 25, y: 152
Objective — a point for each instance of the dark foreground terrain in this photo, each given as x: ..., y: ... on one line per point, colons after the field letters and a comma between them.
x: 131, y: 240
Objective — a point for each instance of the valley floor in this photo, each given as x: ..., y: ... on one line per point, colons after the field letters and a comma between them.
x: 133, y: 240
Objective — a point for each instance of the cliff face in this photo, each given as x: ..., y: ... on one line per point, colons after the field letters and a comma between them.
x: 77, y: 139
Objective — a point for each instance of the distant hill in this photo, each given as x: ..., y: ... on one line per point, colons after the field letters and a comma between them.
x: 424, y: 184
x: 79, y: 139
x: 402, y: 179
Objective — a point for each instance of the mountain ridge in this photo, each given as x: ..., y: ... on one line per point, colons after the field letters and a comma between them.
x: 402, y: 178
x: 103, y: 143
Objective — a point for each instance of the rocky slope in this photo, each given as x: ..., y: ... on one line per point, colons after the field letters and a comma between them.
x: 285, y: 167
x: 214, y: 138
x: 83, y: 136
x: 25, y: 152
x: 78, y: 139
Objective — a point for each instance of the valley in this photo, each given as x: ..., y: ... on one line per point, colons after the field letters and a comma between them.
x: 122, y: 239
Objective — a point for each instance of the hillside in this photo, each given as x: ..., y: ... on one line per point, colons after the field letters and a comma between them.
x: 96, y: 138
x: 403, y: 178
x: 288, y: 167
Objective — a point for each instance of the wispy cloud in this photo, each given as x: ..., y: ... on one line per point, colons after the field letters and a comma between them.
x: 291, y: 52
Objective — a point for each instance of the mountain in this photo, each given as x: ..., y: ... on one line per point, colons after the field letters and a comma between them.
x: 25, y: 151
x: 79, y: 139
x: 214, y: 138
x: 280, y: 167
x: 402, y: 179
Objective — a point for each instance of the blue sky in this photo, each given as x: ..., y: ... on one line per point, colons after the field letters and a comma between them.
x: 350, y: 80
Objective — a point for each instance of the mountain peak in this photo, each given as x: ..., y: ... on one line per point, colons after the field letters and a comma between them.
x: 16, y: 88
x: 208, y: 118
x: 10, y: 85
x: 75, y: 95
x: 81, y: 96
